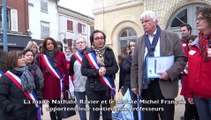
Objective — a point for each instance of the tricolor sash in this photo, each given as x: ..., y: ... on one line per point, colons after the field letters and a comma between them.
x: 53, y: 71
x: 104, y: 79
x: 1, y: 73
x: 29, y: 95
x: 78, y: 56
x: 47, y: 63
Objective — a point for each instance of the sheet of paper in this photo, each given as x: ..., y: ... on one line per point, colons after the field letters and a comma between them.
x: 155, y: 65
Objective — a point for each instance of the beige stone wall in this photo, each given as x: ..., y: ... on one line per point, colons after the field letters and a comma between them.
x: 113, y: 19
x: 112, y: 16
x: 165, y: 8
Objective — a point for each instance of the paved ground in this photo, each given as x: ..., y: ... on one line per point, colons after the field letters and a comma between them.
x: 179, y: 109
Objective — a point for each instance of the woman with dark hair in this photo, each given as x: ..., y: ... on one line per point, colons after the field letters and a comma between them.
x: 126, y: 66
x: 99, y: 65
x: 17, y: 87
x: 35, y: 71
x: 53, y: 66
x: 121, y: 58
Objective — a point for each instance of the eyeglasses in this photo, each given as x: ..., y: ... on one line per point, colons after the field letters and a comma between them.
x: 80, y: 42
x: 199, y: 18
x: 99, y: 38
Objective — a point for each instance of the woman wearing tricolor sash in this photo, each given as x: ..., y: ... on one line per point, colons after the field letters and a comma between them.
x: 78, y: 78
x: 54, y: 68
x: 100, y: 66
x: 16, y: 91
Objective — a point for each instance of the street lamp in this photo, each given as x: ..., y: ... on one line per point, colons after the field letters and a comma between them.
x: 4, y: 24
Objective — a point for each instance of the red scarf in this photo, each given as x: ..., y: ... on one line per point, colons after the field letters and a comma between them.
x: 204, y: 43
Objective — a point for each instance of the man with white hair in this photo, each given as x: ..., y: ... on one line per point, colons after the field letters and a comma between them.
x: 79, y: 80
x: 157, y: 94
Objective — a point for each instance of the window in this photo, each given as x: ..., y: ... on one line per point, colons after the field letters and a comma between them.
x: 44, y: 5
x: 8, y: 18
x: 45, y: 29
x: 180, y: 19
x: 126, y: 35
x: 91, y: 29
x: 69, y: 25
x: 184, y: 14
x: 81, y: 28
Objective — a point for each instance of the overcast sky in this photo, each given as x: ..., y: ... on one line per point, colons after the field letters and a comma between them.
x: 82, y: 6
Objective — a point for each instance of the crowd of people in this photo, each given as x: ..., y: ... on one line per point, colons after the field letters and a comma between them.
x: 33, y: 75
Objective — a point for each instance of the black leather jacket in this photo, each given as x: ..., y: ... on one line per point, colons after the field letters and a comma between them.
x: 127, y: 68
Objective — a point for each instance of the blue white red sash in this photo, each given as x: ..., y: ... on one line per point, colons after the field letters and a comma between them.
x: 104, y: 79
x: 53, y: 71
x: 78, y: 56
x: 1, y: 73
x: 31, y: 96
x: 47, y: 63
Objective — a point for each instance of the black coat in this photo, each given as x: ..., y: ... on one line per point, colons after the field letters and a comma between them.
x: 122, y: 75
x: 126, y: 66
x: 12, y: 106
x: 93, y: 82
x: 3, y: 60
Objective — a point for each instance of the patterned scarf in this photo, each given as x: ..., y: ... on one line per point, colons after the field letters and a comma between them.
x: 50, y: 55
x: 27, y: 79
x: 99, y: 55
x: 150, y: 53
x: 204, y: 44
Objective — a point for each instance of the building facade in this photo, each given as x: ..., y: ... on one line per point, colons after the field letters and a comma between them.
x: 17, y: 24
x: 43, y: 19
x: 73, y: 25
x: 120, y: 19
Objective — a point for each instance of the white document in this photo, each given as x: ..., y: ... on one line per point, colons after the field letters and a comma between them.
x: 155, y: 65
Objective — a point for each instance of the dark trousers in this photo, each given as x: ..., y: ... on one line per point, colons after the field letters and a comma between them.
x: 99, y: 99
x: 54, y: 114
x: 203, y: 106
x: 190, y: 111
x: 155, y: 106
x: 81, y: 96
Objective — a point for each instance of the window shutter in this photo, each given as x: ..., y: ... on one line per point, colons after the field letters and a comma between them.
x: 79, y: 27
x: 14, y: 20
x: 69, y: 25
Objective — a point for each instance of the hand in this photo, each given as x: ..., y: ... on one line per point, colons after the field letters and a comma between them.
x: 209, y: 53
x: 67, y: 87
x: 122, y: 89
x: 190, y: 100
x: 102, y: 71
x: 163, y: 75
x: 135, y: 90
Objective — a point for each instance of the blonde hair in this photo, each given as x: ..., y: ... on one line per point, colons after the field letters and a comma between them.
x: 30, y: 44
